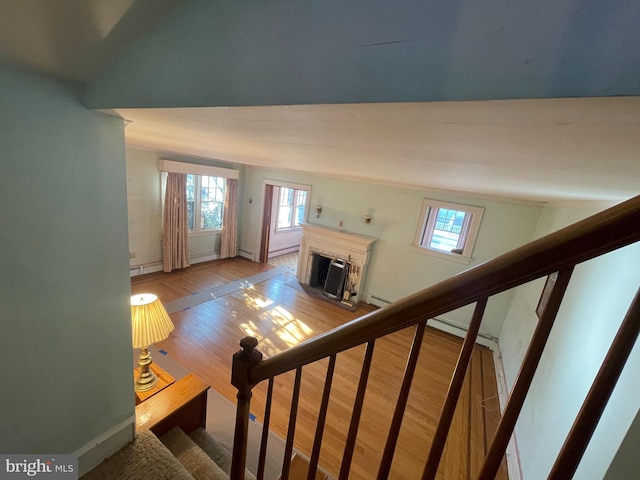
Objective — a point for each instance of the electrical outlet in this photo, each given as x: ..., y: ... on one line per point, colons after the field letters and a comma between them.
x: 132, y: 254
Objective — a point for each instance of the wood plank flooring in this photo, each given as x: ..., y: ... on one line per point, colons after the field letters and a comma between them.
x: 280, y: 314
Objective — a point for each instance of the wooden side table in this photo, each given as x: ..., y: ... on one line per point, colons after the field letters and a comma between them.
x: 164, y: 380
x: 182, y: 404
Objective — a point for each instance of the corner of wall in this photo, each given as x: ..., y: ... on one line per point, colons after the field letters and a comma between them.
x: 102, y: 447
x: 512, y: 454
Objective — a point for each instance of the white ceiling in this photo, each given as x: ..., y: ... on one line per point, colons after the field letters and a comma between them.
x: 540, y: 150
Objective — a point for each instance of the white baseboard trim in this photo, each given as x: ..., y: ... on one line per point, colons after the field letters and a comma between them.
x: 245, y: 254
x: 152, y: 267
x: 204, y: 258
x: 284, y: 251
x: 458, y: 330
x: 376, y: 300
x: 94, y: 452
x: 443, y: 324
x: 512, y: 454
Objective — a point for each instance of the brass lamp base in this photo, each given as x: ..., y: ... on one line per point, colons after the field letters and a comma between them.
x: 147, y: 379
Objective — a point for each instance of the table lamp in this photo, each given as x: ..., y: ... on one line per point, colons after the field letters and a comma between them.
x: 150, y: 323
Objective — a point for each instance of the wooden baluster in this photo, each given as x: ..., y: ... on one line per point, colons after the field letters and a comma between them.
x: 357, y: 412
x: 547, y: 311
x: 576, y: 443
x: 288, y: 449
x: 449, y: 407
x: 243, y: 361
x: 322, y: 415
x: 401, y: 404
x: 262, y: 458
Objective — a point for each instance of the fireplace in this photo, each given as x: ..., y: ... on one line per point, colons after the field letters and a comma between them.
x: 323, y: 245
x: 334, y: 276
x: 319, y: 270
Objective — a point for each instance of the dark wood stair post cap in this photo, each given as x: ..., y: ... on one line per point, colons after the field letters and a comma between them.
x: 249, y: 344
x: 243, y: 360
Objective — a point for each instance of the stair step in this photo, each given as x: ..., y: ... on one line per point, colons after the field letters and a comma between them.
x: 146, y: 458
x: 218, y: 452
x: 300, y: 467
x: 198, y: 463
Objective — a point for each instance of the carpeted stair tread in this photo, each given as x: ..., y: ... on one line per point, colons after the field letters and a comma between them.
x: 218, y: 452
x: 146, y: 458
x: 195, y: 460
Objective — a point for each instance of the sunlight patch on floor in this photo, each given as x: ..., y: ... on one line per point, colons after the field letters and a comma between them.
x: 290, y: 330
x: 255, y: 301
x: 279, y: 321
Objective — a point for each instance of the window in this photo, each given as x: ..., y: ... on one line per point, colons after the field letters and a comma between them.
x: 205, y: 201
x: 448, y: 229
x: 291, y: 207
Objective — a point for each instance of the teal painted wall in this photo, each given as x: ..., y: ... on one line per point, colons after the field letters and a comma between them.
x: 144, y: 204
x: 595, y: 303
x: 255, y: 52
x: 65, y: 334
x: 396, y: 269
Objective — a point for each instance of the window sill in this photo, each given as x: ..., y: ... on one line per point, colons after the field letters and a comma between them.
x: 203, y: 233
x: 453, y: 257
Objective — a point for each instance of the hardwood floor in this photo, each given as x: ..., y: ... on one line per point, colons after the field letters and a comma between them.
x: 280, y: 314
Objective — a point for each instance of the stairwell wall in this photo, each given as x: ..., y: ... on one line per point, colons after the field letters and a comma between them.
x: 594, y: 306
x: 65, y: 328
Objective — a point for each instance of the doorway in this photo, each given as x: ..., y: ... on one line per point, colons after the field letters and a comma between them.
x: 284, y: 211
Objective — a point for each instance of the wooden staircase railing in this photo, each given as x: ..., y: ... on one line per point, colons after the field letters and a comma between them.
x: 553, y: 256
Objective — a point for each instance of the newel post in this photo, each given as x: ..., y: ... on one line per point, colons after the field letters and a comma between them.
x: 243, y: 360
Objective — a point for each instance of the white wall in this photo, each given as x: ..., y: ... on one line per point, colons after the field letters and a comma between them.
x: 596, y: 301
x: 396, y: 269
x: 144, y: 206
x: 65, y: 319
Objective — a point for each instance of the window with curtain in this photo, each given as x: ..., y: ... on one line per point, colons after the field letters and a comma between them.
x: 205, y: 202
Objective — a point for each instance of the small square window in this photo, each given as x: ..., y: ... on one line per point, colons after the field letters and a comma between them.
x: 448, y: 229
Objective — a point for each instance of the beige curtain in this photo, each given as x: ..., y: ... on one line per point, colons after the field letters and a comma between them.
x: 175, y: 230
x: 229, y: 239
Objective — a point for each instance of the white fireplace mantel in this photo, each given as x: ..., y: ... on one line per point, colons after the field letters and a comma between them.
x: 334, y: 243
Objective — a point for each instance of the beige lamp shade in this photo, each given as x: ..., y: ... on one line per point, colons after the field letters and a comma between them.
x: 149, y: 320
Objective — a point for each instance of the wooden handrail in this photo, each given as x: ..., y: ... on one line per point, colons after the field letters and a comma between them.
x: 608, y: 230
x: 554, y: 256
